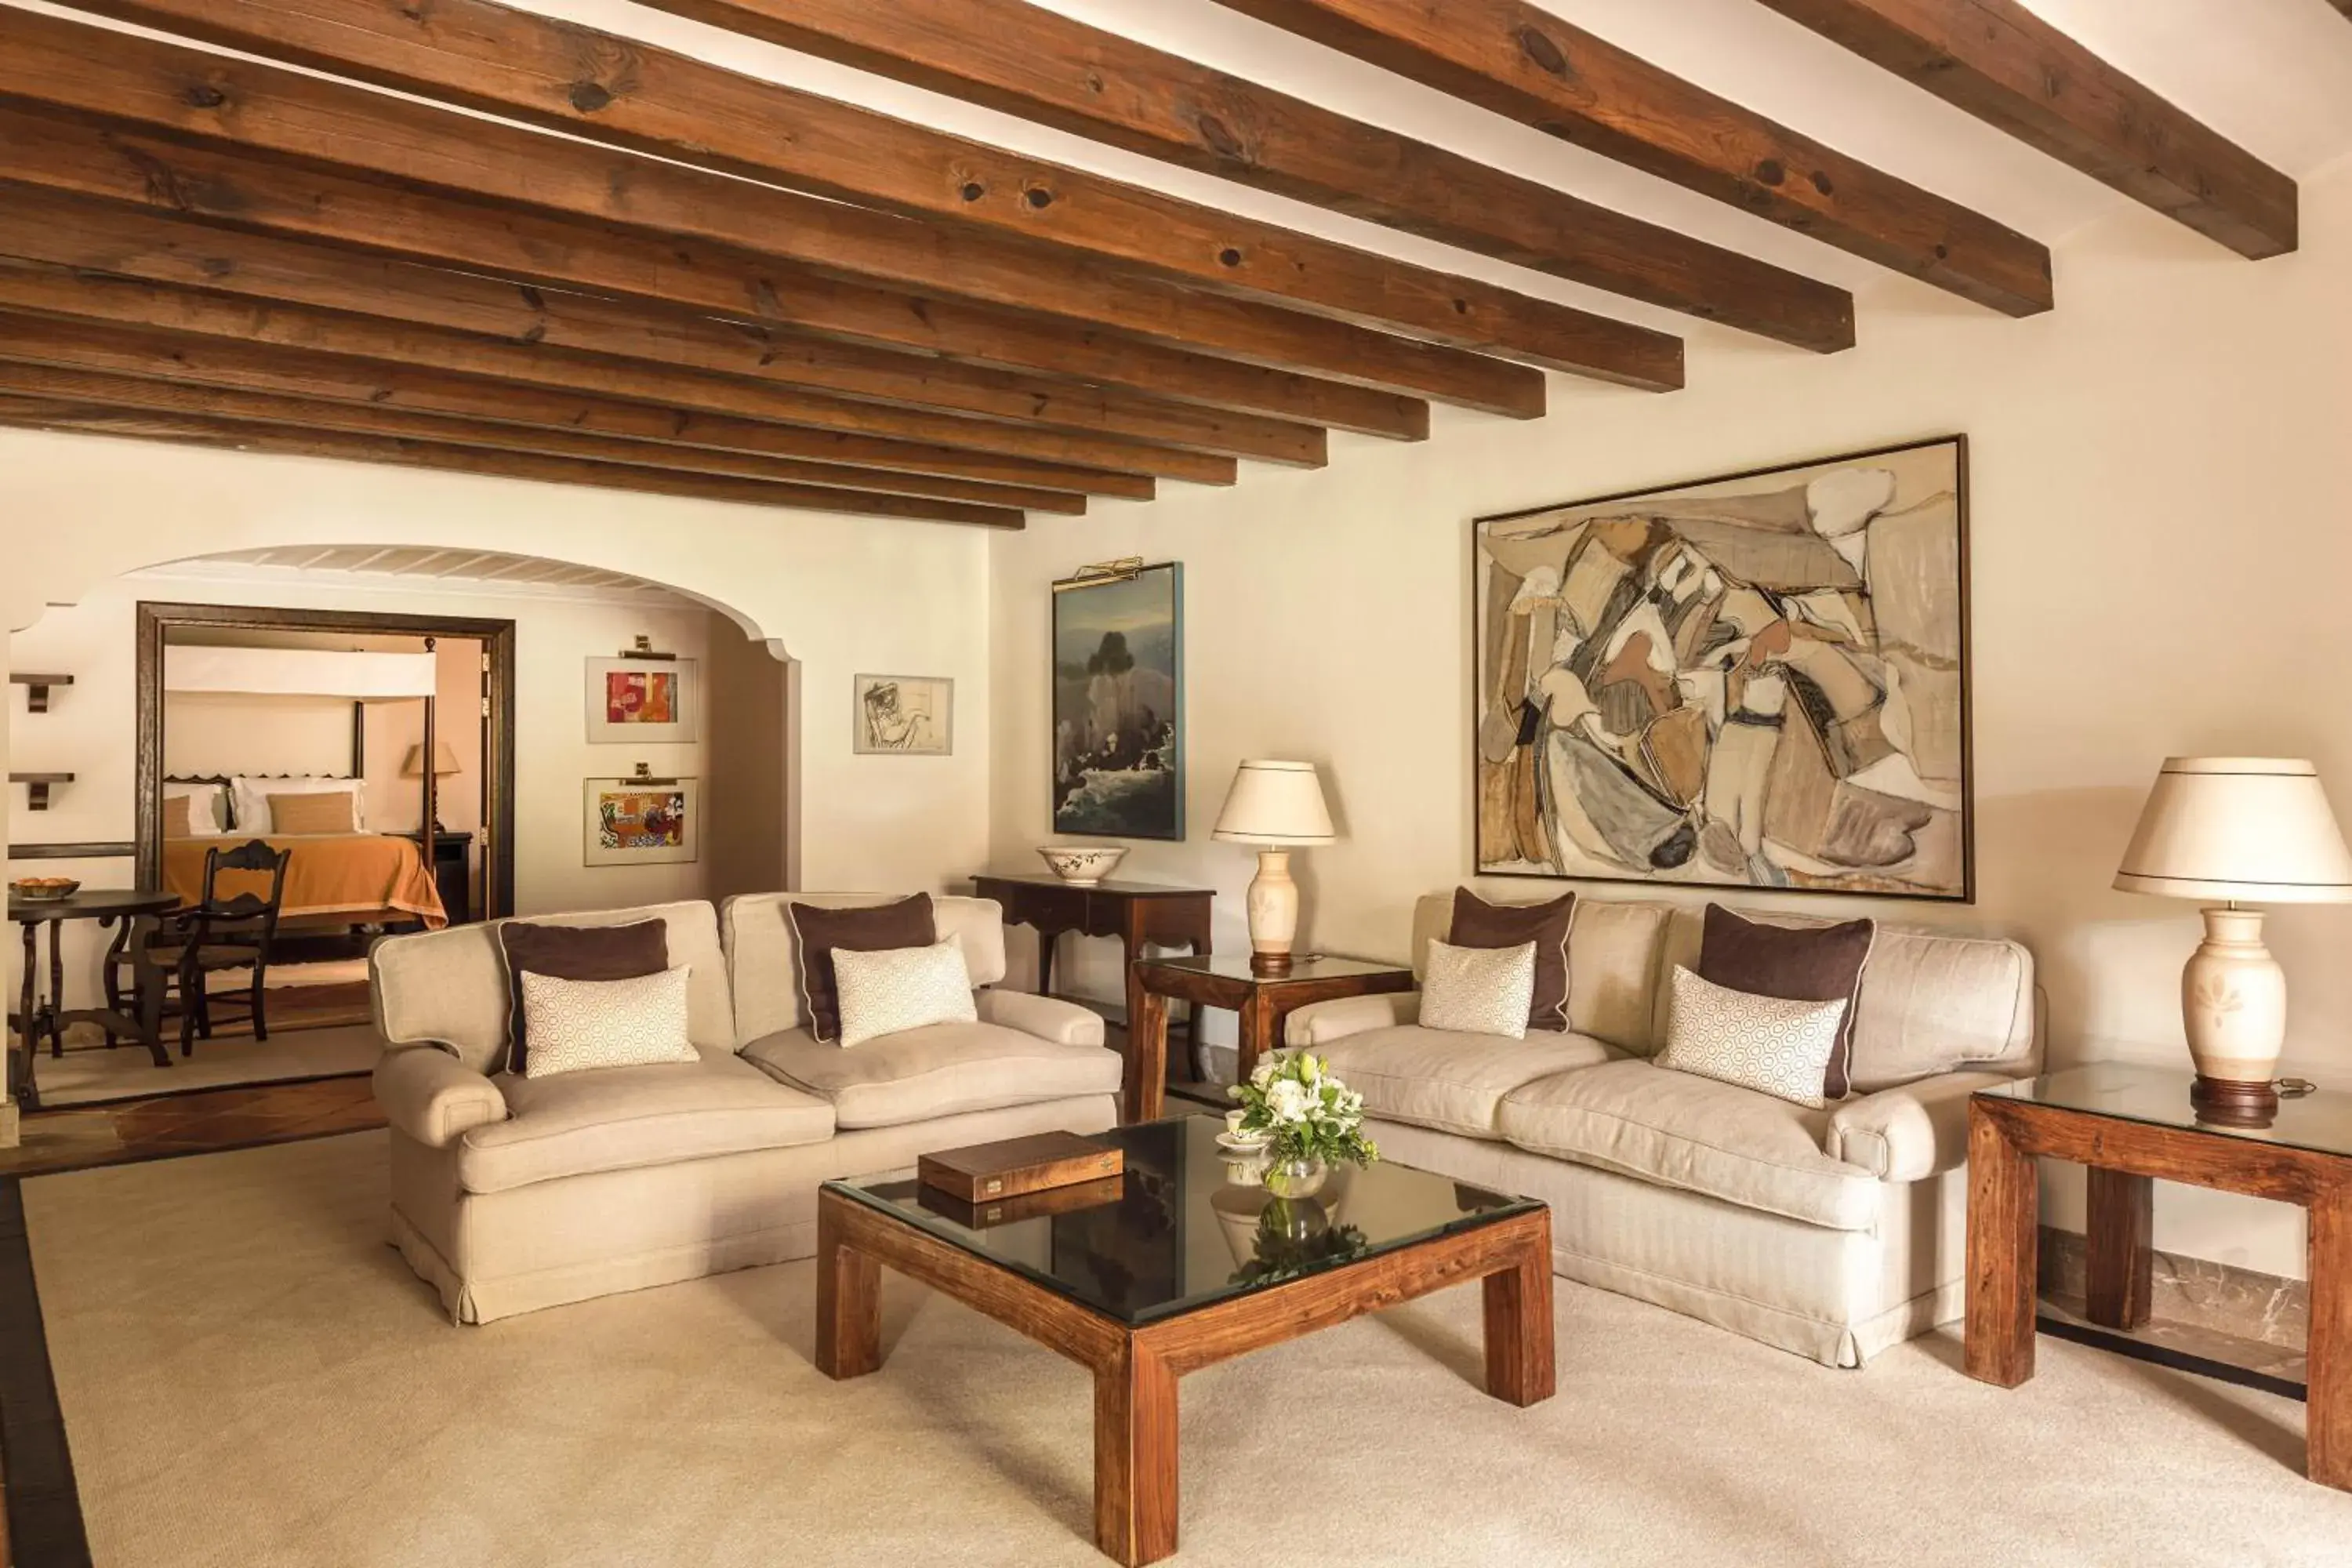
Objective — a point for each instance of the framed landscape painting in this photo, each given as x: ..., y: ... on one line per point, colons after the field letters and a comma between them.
x: 1118, y: 703
x: 1754, y: 681
x: 642, y: 701
x: 643, y: 822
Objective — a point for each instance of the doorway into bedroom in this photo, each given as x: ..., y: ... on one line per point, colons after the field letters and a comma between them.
x: 350, y: 770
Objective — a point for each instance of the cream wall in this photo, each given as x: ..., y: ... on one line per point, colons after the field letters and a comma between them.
x: 2161, y: 535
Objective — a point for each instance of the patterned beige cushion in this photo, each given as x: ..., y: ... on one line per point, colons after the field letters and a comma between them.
x: 901, y: 988
x: 1778, y: 1048
x: 1479, y: 990
x: 576, y: 1024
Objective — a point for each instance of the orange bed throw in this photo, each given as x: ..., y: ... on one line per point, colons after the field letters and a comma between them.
x: 363, y: 875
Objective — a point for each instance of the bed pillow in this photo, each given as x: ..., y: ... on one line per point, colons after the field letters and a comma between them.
x: 321, y: 812
x: 1797, y: 963
x: 576, y: 1024
x: 1768, y: 1044
x: 898, y: 989
x: 573, y: 952
x: 207, y: 806
x: 176, y: 817
x: 1479, y: 990
x: 248, y: 797
x: 1477, y: 924
x: 819, y: 932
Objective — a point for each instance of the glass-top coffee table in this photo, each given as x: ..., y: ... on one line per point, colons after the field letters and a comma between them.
x: 1177, y: 1264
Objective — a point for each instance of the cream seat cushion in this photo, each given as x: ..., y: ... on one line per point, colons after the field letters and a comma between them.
x: 616, y: 1119
x: 1450, y: 1080
x: 942, y: 1070
x: 1678, y: 1130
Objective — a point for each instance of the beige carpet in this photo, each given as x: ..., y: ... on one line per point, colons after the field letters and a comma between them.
x: 82, y: 1076
x: 250, y: 1377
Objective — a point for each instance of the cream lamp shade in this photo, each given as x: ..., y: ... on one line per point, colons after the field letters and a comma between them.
x: 2226, y: 830
x: 1274, y: 805
x: 445, y: 761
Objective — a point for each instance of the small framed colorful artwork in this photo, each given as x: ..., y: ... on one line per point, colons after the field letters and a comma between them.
x: 643, y: 822
x: 642, y: 701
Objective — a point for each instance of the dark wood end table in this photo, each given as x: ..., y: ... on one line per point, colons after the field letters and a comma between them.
x: 138, y: 911
x: 1132, y: 913
x: 1127, y: 1292
x: 1264, y: 1001
x: 2132, y: 1126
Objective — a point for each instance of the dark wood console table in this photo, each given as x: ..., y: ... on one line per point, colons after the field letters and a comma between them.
x: 1133, y: 912
x: 135, y: 913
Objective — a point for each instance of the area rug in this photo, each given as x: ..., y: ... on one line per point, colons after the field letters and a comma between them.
x: 249, y: 1377
x: 93, y: 1076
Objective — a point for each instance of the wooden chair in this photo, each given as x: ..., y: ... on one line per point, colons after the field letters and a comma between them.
x: 218, y: 933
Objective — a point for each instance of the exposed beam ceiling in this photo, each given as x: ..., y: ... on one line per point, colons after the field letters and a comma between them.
x: 614, y: 90
x: 283, y: 114
x: 2010, y: 68
x: 1529, y: 65
x: 166, y: 175
x: 1025, y: 59
x: 51, y: 415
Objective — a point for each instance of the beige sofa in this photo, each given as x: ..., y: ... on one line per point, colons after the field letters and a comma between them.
x: 1832, y: 1233
x: 510, y: 1193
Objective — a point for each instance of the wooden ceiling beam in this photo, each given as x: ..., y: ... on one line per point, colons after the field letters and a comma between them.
x: 627, y: 93
x: 103, y: 237
x: 1528, y: 65
x: 143, y: 395
x: 1022, y: 58
x: 40, y: 413
x: 166, y: 174
x: 2011, y: 69
x: 283, y: 115
x: 132, y: 348
x: 38, y: 286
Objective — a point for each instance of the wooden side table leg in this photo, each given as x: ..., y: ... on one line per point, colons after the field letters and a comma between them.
x: 848, y: 1300
x: 1135, y: 1457
x: 1257, y: 1037
x: 1146, y: 1052
x: 29, y: 1026
x: 2004, y: 1212
x: 2122, y: 1263
x: 1519, y: 1359
x: 2328, y: 1413
x: 56, y: 987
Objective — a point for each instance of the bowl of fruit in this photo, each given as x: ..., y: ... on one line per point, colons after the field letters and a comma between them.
x: 44, y: 890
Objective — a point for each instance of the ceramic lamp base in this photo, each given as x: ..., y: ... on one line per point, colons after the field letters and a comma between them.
x: 2233, y: 1007
x: 1273, y: 913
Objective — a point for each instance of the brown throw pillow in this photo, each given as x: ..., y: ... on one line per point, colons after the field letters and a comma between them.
x: 322, y: 811
x: 1795, y: 963
x: 878, y: 928
x: 1477, y: 924
x: 573, y: 953
x: 176, y: 824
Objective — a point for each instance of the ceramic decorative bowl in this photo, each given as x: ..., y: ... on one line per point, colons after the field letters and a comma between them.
x: 45, y: 889
x: 1082, y: 865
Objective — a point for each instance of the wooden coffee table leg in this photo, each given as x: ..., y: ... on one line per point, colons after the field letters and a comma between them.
x: 2121, y: 1264
x: 848, y: 1299
x: 2328, y: 1413
x: 1135, y: 1455
x: 2004, y: 1212
x: 1519, y: 1369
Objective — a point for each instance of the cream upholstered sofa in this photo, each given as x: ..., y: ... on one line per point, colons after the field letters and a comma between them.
x: 1832, y: 1233
x: 512, y: 1194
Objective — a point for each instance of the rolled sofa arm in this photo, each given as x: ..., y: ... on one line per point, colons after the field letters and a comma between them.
x: 1047, y: 1017
x: 1910, y: 1134
x: 432, y: 1097
x: 1321, y: 1023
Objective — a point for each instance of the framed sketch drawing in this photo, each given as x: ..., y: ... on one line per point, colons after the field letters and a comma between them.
x: 643, y: 702
x: 1754, y: 681
x: 1118, y: 702
x: 903, y: 715
x: 643, y: 822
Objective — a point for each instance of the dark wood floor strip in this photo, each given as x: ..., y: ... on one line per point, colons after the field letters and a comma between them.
x: 43, y: 1506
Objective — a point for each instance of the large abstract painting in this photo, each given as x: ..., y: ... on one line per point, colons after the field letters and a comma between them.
x: 1118, y: 703
x: 1756, y: 681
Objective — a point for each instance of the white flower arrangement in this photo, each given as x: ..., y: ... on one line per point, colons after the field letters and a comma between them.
x: 1304, y: 1110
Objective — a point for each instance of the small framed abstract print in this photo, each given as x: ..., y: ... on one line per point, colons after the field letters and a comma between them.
x: 643, y: 702
x: 903, y: 716
x: 643, y: 822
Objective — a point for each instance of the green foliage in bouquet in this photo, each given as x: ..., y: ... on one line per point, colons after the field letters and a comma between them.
x: 1304, y: 1112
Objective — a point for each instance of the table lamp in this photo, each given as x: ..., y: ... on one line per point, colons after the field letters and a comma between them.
x: 445, y: 762
x: 1276, y: 805
x: 2226, y: 830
